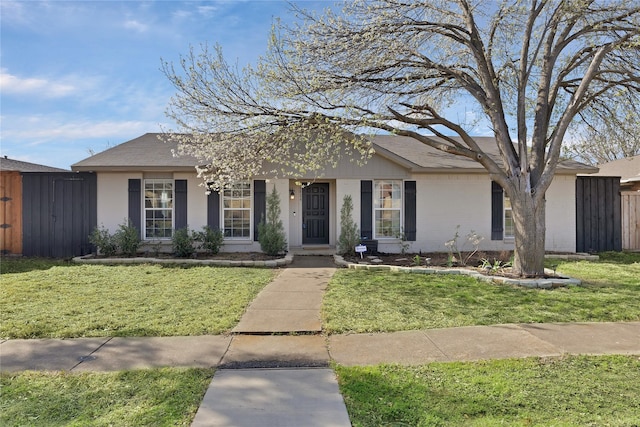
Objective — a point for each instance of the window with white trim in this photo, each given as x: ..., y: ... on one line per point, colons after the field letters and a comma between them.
x: 236, y: 211
x: 387, y: 207
x: 158, y: 208
x: 509, y: 227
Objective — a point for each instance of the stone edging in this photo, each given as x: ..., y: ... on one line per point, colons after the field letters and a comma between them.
x: 527, y: 283
x: 274, y: 263
x: 576, y: 256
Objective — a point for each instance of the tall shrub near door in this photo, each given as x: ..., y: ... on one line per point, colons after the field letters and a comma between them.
x: 271, y: 233
x: 349, y: 233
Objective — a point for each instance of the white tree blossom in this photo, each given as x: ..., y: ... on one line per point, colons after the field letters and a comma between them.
x: 529, y: 66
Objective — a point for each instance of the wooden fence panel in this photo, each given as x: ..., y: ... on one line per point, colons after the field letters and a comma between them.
x: 10, y: 212
x: 60, y: 211
x: 630, y: 220
x: 598, y: 214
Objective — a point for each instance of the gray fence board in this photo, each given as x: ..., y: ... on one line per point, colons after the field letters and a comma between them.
x: 598, y: 214
x: 59, y: 212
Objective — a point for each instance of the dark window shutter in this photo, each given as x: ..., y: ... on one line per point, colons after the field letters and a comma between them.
x: 213, y: 210
x: 410, y: 225
x: 135, y: 204
x: 366, y: 209
x: 497, y: 213
x: 260, y: 205
x: 180, y: 203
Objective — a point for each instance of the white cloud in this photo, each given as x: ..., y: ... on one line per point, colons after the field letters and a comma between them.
x: 136, y: 26
x: 181, y: 14
x: 207, y: 11
x: 37, y: 130
x: 61, y: 141
x: 12, y: 84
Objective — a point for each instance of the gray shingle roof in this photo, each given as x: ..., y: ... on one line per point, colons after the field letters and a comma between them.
x: 7, y: 164
x: 149, y: 152
x: 428, y: 159
x: 628, y: 169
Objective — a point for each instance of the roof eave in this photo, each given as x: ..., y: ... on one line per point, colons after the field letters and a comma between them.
x: 140, y: 168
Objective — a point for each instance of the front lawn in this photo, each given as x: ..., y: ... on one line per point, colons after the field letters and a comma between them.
x: 571, y: 391
x: 381, y: 301
x: 150, y: 397
x: 53, y: 299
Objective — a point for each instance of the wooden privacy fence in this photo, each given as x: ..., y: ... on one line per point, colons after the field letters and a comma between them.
x: 598, y: 214
x: 10, y: 212
x: 630, y: 201
x: 59, y: 213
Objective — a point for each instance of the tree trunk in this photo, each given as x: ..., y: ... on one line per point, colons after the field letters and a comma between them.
x: 529, y: 221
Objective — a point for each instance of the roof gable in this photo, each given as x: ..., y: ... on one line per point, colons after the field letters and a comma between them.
x: 147, y: 152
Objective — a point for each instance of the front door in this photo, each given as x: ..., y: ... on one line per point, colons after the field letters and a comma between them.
x: 315, y: 214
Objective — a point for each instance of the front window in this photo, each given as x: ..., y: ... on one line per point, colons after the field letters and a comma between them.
x: 509, y: 227
x: 387, y: 204
x: 158, y: 208
x: 236, y: 208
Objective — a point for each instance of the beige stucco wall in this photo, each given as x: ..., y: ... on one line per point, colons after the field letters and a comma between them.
x: 444, y: 201
x: 113, y: 203
x: 113, y: 198
x: 561, y: 214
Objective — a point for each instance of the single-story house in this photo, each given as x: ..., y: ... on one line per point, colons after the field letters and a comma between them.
x: 406, y: 188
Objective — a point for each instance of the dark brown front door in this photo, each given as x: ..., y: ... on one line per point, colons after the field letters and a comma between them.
x: 315, y: 214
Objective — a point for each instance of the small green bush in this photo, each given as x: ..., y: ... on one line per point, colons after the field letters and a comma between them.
x: 128, y: 238
x: 183, y: 243
x: 271, y: 234
x: 104, y: 242
x: 210, y: 239
x: 349, y: 233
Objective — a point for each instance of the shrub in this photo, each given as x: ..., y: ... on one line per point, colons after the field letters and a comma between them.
x: 127, y: 238
x: 104, y: 242
x: 271, y: 232
x: 210, y: 239
x: 456, y: 254
x: 349, y: 233
x: 183, y: 243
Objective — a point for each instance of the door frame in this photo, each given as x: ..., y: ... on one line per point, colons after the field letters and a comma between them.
x: 327, y: 213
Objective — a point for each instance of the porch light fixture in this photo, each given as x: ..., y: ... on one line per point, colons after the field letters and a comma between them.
x: 292, y: 194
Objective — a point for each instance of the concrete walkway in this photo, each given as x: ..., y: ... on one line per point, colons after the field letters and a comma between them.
x: 274, y: 367
x: 290, y: 351
x: 291, y: 302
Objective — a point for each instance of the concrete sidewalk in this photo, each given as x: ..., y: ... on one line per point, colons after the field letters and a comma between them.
x: 290, y: 351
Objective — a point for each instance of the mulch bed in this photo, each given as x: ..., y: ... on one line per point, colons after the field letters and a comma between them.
x: 436, y: 259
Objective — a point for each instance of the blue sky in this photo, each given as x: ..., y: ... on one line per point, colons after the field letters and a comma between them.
x: 81, y: 76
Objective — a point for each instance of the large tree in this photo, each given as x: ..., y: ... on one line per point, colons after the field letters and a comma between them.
x: 606, y: 135
x: 399, y: 66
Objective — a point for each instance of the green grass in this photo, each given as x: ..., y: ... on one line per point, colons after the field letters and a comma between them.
x: 154, y: 397
x: 368, y: 301
x: 62, y: 300
x: 571, y: 391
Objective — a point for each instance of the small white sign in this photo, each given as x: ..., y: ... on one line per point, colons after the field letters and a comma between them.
x: 360, y: 249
